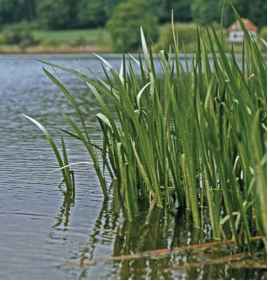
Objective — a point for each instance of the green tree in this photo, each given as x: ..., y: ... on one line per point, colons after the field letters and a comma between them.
x: 125, y: 24
x: 242, y: 7
x: 258, y: 12
x: 181, y: 8
x: 206, y: 11
x: 6, y: 10
x: 56, y: 14
x: 27, y: 9
x: 92, y: 13
x: 16, y: 10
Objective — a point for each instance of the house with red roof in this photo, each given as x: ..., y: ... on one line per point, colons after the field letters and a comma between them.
x: 236, y: 33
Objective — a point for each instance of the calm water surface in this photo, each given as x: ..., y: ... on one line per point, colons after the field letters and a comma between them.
x: 40, y: 230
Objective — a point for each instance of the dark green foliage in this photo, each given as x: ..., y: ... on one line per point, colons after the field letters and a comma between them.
x: 92, y: 13
x: 182, y: 10
x: 63, y: 14
x: 15, y: 11
x: 257, y: 12
x: 163, y: 8
x: 206, y: 11
x: 124, y: 25
x: 55, y: 14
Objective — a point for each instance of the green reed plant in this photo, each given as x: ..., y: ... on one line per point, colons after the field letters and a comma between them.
x: 192, y: 136
x: 61, y: 157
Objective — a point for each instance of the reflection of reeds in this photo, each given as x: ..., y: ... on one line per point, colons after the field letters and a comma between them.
x: 68, y: 203
x: 193, y: 138
x: 154, y: 246
x: 147, y: 232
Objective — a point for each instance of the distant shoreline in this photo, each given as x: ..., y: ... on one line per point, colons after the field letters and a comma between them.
x: 88, y: 50
x: 53, y: 50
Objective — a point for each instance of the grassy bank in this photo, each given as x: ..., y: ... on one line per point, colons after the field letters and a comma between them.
x: 192, y: 139
x: 62, y: 41
x: 7, y: 49
x: 25, y: 40
x: 79, y: 37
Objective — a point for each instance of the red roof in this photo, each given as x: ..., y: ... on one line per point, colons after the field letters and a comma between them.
x: 249, y: 25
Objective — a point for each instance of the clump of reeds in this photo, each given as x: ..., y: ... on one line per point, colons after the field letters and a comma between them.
x: 192, y: 136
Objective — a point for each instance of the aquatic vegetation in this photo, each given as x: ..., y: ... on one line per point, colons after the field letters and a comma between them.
x: 192, y: 137
x: 62, y: 159
x: 156, y: 246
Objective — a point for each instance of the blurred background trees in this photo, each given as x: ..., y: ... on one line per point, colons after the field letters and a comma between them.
x: 206, y: 11
x: 125, y: 23
x: 92, y: 13
x: 162, y: 9
x: 54, y: 14
x: 58, y: 14
x: 123, y: 17
x: 15, y: 11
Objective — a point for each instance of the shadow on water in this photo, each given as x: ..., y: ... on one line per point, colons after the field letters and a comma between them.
x: 155, y: 231
x: 65, y: 209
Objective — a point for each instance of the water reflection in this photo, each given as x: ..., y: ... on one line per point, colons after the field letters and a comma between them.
x: 155, y: 231
x: 68, y: 202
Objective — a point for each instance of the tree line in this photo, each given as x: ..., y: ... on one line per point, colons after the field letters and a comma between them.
x: 65, y: 14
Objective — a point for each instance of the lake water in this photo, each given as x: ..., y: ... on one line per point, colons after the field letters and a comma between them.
x: 42, y: 233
